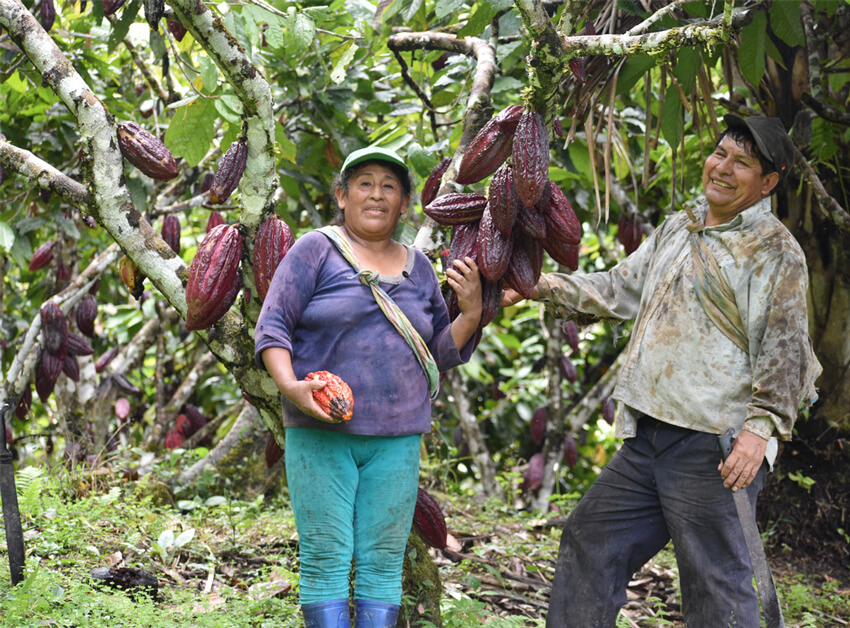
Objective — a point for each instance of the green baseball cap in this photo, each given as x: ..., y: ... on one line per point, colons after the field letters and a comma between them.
x: 373, y: 153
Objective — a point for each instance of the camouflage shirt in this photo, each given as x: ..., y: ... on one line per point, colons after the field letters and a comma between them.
x: 680, y: 368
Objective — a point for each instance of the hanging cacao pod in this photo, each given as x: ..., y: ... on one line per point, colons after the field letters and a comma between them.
x: 335, y: 398
x: 570, y: 451
x: 146, y: 152
x: 568, y: 369
x: 214, y: 278
x: 111, y: 6
x: 561, y: 221
x: 77, y: 345
x: 494, y: 249
x: 123, y: 384
x: 570, y: 331
x: 532, y: 477
x: 491, y: 301
x: 85, y: 314
x: 206, y: 182
x: 566, y: 254
x: 63, y: 273
x: 530, y: 158
x: 47, y: 14
x: 25, y: 403
x: 229, y: 172
x: 525, y: 265
x: 54, y: 327
x: 105, y: 358
x: 43, y: 384
x: 509, y: 117
x: 456, y: 208
x: 176, y: 29
x: 429, y: 522
x: 274, y: 452
x: 214, y: 221
x: 530, y: 220
x: 184, y: 426
x: 464, y: 244
x: 432, y: 183
x: 43, y: 256
x: 537, y: 426
x: 71, y: 367
x: 52, y: 365
x: 609, y: 410
x: 195, y: 416
x: 171, y: 232
x: 274, y: 239
x: 503, y: 201
x: 485, y: 153
x: 173, y: 439
x: 629, y: 232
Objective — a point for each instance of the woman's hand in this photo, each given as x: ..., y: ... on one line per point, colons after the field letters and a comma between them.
x: 278, y: 361
x: 465, y: 280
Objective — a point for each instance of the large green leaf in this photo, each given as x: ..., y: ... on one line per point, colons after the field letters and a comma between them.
x: 7, y: 237
x: 190, y: 133
x: 752, y: 49
x: 672, y: 124
x: 479, y: 18
x: 688, y: 62
x: 786, y: 22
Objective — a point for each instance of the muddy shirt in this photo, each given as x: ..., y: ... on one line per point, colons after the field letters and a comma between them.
x: 328, y: 320
x: 680, y: 368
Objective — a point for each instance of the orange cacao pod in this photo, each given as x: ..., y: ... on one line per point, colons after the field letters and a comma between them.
x: 214, y: 278
x: 146, y: 152
x: 432, y: 183
x: 494, y: 249
x: 229, y: 172
x: 43, y: 256
x: 530, y: 158
x: 171, y: 232
x: 274, y: 239
x: 503, y: 201
x: 485, y: 153
x: 54, y: 328
x: 85, y: 314
x: 429, y: 522
x: 456, y: 208
x: 335, y: 398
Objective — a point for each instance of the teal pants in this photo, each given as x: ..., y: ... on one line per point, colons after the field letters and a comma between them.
x: 353, y: 497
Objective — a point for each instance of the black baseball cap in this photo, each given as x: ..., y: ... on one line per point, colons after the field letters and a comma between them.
x: 772, y: 141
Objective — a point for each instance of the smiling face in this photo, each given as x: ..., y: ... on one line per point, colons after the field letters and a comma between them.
x: 732, y: 181
x: 373, y: 203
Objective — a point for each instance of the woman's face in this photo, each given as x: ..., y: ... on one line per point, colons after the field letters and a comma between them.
x: 374, y: 202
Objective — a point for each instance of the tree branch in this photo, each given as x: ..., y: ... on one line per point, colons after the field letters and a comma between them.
x: 45, y: 176
x: 825, y: 111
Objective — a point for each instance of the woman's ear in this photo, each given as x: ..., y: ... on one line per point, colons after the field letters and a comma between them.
x: 340, y: 198
x: 405, y: 204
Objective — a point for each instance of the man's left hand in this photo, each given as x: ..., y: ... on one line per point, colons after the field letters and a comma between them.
x: 742, y: 465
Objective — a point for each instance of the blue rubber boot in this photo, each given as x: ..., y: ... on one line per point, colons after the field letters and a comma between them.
x: 330, y: 614
x: 374, y: 614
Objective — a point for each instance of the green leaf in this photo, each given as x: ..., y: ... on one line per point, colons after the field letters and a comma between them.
x: 287, y: 148
x: 672, y: 124
x: 632, y: 71
x: 7, y: 236
x: 191, y: 131
x: 752, y: 48
x: 445, y: 7
x: 184, y: 537
x: 300, y: 32
x: 166, y: 539
x: 209, y: 73
x: 479, y: 19
x: 786, y: 23
x: 338, y: 73
x: 229, y: 107
x: 17, y: 83
x: 122, y: 26
x: 688, y: 62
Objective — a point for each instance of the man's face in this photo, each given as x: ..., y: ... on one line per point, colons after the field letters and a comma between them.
x: 732, y: 181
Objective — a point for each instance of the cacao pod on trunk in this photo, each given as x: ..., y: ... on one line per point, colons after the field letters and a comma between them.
x: 530, y: 158
x: 629, y: 232
x: 491, y: 301
x: 43, y: 256
x: 570, y: 331
x: 214, y: 278
x: 104, y: 360
x: 432, y: 183
x: 494, y: 249
x: 464, y: 244
x: 44, y: 384
x: 214, y: 221
x: 54, y: 328
x: 456, y: 208
x: 47, y: 14
x: 71, y: 367
x: 509, y: 117
x: 525, y: 265
x: 111, y: 6
x: 568, y: 369
x: 195, y: 416
x: 537, y: 427
x: 85, y: 314
x: 274, y: 452
x: 177, y: 29
x: 532, y: 478
x: 429, y: 522
x: 78, y: 345
x: 273, y: 241
x: 561, y: 221
x: 566, y: 254
x: 530, y: 220
x: 25, y: 403
x: 570, y: 451
x: 485, y: 153
x: 52, y: 364
x: 171, y: 232
x: 503, y: 202
x: 335, y: 398
x: 229, y: 172
x: 146, y: 152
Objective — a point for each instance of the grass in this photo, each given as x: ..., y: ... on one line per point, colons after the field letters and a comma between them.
x: 223, y: 562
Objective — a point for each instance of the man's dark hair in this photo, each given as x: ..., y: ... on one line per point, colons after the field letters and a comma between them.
x: 743, y: 138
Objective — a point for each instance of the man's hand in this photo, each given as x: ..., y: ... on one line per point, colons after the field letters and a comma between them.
x: 742, y: 465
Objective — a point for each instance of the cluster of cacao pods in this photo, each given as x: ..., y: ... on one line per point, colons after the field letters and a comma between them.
x: 429, y: 522
x: 187, y: 423
x: 523, y: 214
x: 335, y: 397
x: 60, y: 350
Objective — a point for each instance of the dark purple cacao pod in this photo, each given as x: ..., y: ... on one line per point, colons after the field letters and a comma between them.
x: 494, y: 249
x: 530, y: 158
x: 629, y: 232
x: 561, y: 221
x: 44, y: 384
x: 274, y: 452
x: 214, y: 221
x: 85, y: 314
x: 568, y: 369
x: 43, y: 256
x: 146, y: 152
x: 195, y: 416
x: 47, y: 14
x: 177, y: 29
x: 532, y: 477
x: 491, y: 301
x: 485, y: 153
x: 432, y: 184
x: 503, y: 201
x: 54, y: 328
x: 229, y: 172
x: 428, y: 521
x: 609, y: 410
x: 464, y: 244
x: 537, y: 426
x: 111, y: 6
x: 525, y: 265
x: 171, y: 232
x: 274, y: 239
x: 509, y: 117
x: 25, y: 403
x: 456, y: 208
x: 104, y: 360
x: 77, y: 345
x: 570, y: 332
x: 570, y: 451
x: 71, y: 367
x: 213, y: 278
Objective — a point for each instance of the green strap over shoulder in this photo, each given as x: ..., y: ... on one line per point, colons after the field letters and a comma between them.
x: 393, y: 313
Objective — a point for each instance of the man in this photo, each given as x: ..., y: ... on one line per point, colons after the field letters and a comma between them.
x: 720, y: 340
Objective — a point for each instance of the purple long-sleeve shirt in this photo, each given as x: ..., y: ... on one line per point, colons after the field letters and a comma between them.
x: 328, y: 320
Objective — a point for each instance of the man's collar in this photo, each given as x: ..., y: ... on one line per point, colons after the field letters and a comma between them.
x: 742, y: 219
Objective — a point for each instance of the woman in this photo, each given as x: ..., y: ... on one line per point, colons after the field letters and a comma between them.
x: 353, y: 484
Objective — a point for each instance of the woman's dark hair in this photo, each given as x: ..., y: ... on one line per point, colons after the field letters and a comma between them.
x: 342, y: 179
